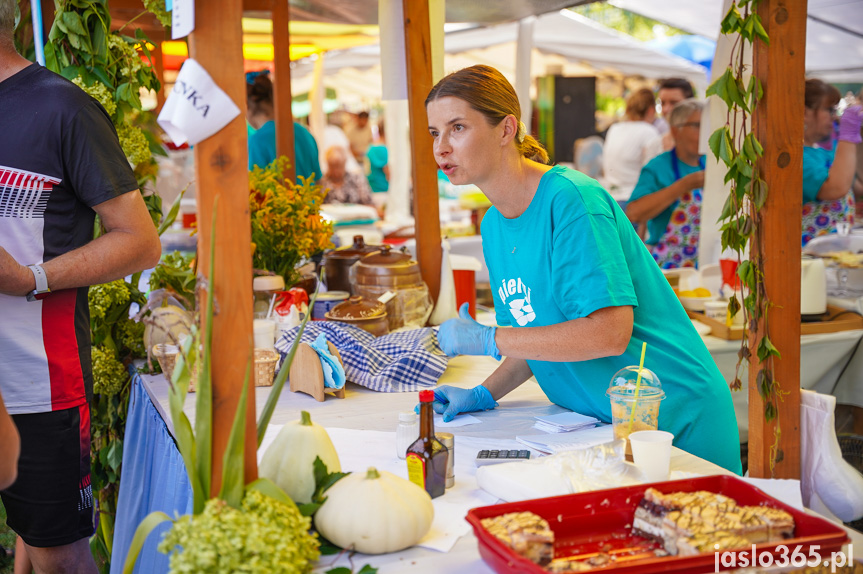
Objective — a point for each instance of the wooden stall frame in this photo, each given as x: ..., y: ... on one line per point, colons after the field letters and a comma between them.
x: 778, y: 124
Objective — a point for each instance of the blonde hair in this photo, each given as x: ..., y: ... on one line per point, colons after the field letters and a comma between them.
x: 488, y: 92
x: 638, y: 103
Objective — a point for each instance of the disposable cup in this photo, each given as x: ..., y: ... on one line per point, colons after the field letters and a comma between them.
x: 646, y: 414
x: 651, y: 453
x: 265, y: 333
x: 716, y: 310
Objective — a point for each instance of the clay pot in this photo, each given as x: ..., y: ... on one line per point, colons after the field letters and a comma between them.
x: 369, y: 316
x: 337, y: 264
x: 393, y: 271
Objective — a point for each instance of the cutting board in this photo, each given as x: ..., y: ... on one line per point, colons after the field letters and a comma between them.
x: 837, y: 319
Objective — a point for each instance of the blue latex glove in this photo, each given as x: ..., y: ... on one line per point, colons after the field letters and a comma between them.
x: 464, y: 336
x: 451, y: 401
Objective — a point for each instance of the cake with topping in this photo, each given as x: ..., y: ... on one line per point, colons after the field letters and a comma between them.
x: 688, y: 523
x: 526, y: 533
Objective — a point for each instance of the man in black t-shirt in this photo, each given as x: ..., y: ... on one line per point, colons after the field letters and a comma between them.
x: 60, y: 166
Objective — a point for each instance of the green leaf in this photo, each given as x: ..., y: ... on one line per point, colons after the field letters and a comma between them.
x: 728, y: 208
x: 233, y: 462
x: 715, y: 142
x: 367, y: 569
x: 309, y: 508
x: 115, y: 454
x: 339, y: 570
x: 759, y: 193
x: 759, y: 30
x: 100, y: 74
x: 269, y: 488
x: 172, y: 213
x: 746, y: 273
x: 769, y: 411
x: 766, y: 349
x: 748, y: 151
x: 144, y: 529
x: 204, y: 399
x: 731, y: 22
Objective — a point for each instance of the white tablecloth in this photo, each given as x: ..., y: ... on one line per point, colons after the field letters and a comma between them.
x: 363, y: 409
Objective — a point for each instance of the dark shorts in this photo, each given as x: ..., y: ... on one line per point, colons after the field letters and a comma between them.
x: 51, y: 502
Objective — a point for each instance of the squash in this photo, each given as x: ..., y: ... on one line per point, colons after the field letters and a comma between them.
x: 374, y: 513
x: 289, y: 461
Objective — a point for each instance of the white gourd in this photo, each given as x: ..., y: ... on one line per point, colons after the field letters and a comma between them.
x: 375, y: 513
x: 289, y: 461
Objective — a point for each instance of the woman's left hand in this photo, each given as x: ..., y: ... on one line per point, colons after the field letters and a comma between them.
x: 464, y: 336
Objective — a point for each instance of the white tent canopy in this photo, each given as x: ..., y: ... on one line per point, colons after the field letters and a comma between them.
x: 572, y: 43
x: 834, y: 31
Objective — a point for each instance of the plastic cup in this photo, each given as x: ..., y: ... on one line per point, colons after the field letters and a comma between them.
x: 651, y: 453
x: 646, y: 414
x: 265, y: 333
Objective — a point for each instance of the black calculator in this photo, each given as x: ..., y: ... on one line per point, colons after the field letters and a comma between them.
x: 484, y: 457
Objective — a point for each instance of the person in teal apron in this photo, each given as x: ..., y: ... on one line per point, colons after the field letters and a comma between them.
x: 827, y: 174
x: 260, y: 114
x: 576, y: 292
x: 667, y: 197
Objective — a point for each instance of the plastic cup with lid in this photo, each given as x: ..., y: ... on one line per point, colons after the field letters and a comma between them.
x: 631, y: 411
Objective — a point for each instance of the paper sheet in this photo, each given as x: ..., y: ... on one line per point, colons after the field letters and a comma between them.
x: 197, y: 107
x: 458, y: 421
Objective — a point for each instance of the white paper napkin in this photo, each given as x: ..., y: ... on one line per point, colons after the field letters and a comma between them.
x: 196, y: 108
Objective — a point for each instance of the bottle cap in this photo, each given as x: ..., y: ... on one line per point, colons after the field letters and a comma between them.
x: 407, y: 417
x: 426, y: 396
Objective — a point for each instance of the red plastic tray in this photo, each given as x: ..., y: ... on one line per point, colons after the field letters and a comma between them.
x: 602, y: 520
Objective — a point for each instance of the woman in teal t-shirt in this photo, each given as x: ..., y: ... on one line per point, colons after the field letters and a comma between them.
x: 570, y: 276
x: 260, y: 114
x: 827, y: 175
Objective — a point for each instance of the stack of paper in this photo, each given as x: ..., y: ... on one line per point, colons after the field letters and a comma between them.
x: 550, y: 444
x: 564, y: 422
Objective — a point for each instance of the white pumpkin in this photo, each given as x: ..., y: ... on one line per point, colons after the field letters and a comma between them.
x: 374, y: 513
x: 289, y: 461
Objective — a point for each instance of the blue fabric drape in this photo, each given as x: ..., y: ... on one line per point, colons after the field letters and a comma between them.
x: 153, y: 478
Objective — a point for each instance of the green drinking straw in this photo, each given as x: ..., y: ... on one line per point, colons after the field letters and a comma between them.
x: 637, y: 386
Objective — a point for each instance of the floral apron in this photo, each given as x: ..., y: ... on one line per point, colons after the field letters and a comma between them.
x: 821, y: 217
x: 679, y: 246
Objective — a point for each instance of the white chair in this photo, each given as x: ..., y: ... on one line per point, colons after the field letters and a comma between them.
x: 829, y: 484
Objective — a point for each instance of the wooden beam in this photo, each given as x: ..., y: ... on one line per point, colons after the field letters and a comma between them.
x: 780, y: 68
x: 221, y: 164
x: 424, y: 169
x: 282, y: 85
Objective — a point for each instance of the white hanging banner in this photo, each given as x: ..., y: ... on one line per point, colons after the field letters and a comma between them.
x: 182, y: 18
x: 196, y: 108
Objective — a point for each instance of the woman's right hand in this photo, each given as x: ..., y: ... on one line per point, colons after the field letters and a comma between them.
x: 451, y: 401
x: 693, y: 180
x: 849, y: 125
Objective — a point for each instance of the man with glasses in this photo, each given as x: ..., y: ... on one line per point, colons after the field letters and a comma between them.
x: 667, y: 197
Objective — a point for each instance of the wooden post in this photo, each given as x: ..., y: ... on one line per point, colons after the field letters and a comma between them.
x: 419, y: 77
x: 221, y: 164
x: 282, y: 85
x: 778, y: 125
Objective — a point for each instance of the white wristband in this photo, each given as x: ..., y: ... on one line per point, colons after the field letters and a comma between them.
x: 41, y: 279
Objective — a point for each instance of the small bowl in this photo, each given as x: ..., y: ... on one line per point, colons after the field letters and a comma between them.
x: 370, y: 316
x: 695, y: 303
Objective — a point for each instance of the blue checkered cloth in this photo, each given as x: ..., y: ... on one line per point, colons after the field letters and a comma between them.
x: 394, y: 363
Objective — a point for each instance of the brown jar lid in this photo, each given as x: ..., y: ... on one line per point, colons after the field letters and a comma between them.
x: 357, y: 308
x: 386, y: 256
x: 358, y: 249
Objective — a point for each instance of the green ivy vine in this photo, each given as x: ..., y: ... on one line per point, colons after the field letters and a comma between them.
x: 738, y: 149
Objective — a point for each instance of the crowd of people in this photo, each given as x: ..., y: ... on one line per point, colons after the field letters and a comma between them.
x: 653, y: 168
x: 354, y: 165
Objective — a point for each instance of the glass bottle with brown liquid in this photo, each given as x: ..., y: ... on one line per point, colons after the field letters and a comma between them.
x: 427, y: 457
